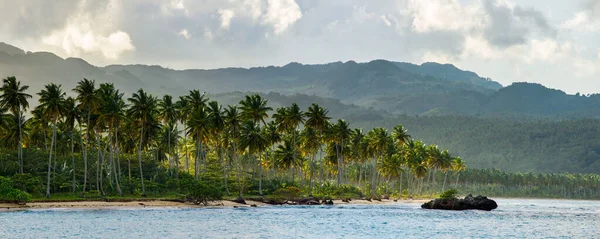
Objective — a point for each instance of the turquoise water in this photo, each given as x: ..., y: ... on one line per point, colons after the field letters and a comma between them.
x: 513, y: 219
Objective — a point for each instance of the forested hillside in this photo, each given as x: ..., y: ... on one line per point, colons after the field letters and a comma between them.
x: 522, y: 127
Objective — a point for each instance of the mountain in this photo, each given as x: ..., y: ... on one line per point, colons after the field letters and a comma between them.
x: 521, y: 127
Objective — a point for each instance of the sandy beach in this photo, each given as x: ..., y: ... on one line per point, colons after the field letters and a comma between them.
x: 161, y: 203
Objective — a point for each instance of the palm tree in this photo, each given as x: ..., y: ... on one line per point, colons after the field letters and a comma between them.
x: 112, y: 111
x: 316, y: 118
x: 445, y: 165
x: 310, y: 144
x: 293, y: 118
x: 198, y: 128
x: 168, y: 116
x: 340, y: 133
x: 255, y: 109
x: 379, y: 143
x: 273, y: 137
x: 53, y: 104
x: 143, y: 109
x: 232, y: 119
x: 15, y: 99
x: 217, y: 128
x: 88, y: 102
x: 458, y: 165
x: 184, y: 113
x: 72, y: 116
x: 400, y: 135
x: 285, y: 156
x: 252, y: 140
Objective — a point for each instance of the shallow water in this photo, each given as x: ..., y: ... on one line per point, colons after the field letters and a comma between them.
x: 513, y: 219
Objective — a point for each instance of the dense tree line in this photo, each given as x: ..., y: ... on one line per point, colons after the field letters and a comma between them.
x: 101, y: 128
x: 101, y: 142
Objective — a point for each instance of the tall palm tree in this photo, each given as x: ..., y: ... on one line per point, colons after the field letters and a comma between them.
x: 199, y: 129
x: 217, y: 123
x: 14, y: 98
x: 273, y: 136
x: 252, y: 140
x: 233, y: 121
x: 458, y: 165
x: 72, y: 116
x: 168, y: 116
x: 446, y: 164
x: 88, y: 103
x: 293, y: 118
x: 379, y: 143
x: 310, y: 144
x: 112, y: 111
x: 340, y: 133
x: 53, y: 104
x: 316, y: 118
x: 143, y: 109
x: 183, y: 107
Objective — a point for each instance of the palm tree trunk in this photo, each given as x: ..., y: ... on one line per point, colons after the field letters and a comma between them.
x: 457, y: 176
x: 444, y: 185
x: 224, y: 170
x: 140, y: 160
x: 20, y: 152
x: 169, y: 145
x: 112, y: 161
x: 310, y: 187
x: 339, y: 164
x: 400, y: 193
x: 99, y: 169
x: 50, y: 160
x: 84, y: 151
x: 185, y: 147
x: 73, y: 157
x: 176, y: 152
x: 374, y: 178
x: 407, y: 183
x: 259, y: 175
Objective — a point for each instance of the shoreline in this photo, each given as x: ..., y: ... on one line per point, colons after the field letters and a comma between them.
x: 9, y: 207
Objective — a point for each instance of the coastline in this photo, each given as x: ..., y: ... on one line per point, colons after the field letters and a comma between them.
x: 8, y: 207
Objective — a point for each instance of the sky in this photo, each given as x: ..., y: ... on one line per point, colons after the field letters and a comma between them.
x: 552, y: 42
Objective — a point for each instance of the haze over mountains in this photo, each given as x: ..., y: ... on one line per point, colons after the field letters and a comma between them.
x: 521, y: 127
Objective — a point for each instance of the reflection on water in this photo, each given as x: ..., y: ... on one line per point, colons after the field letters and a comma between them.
x: 513, y: 219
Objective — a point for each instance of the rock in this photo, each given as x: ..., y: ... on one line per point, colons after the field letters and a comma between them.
x: 253, y: 205
x: 468, y: 203
x: 309, y: 201
x: 328, y: 202
x: 235, y: 206
x: 240, y: 200
x: 386, y: 197
x: 345, y: 200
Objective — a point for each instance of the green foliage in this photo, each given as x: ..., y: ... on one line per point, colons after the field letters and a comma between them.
x: 449, y: 194
x: 198, y: 192
x: 8, y: 193
x: 287, y: 193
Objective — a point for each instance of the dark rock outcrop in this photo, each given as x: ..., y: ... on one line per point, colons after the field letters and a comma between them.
x: 240, y: 200
x: 468, y: 203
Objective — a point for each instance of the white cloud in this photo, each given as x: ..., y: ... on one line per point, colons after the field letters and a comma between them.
x: 91, y: 33
x: 443, y: 15
x: 185, y: 34
x: 386, y: 21
x: 582, y: 21
x: 281, y: 14
x: 226, y: 16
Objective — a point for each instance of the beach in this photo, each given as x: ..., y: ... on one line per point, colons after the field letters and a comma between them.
x: 174, y: 204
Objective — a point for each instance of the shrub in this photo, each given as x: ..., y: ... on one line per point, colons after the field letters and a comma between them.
x: 449, y: 194
x: 287, y: 193
x: 198, y: 192
x: 8, y: 193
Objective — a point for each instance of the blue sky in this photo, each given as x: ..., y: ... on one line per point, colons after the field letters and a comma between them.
x: 553, y: 42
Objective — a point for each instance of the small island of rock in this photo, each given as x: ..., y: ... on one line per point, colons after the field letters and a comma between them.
x: 468, y: 203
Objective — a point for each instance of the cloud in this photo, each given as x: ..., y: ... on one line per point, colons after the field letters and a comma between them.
x: 587, y: 20
x: 442, y: 15
x: 185, y: 34
x: 88, y: 32
x: 509, y: 25
x: 226, y: 16
x: 281, y: 14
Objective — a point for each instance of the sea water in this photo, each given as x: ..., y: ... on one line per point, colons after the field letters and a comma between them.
x: 514, y: 218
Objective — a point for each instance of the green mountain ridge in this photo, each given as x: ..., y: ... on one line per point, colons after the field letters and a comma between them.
x: 522, y: 127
